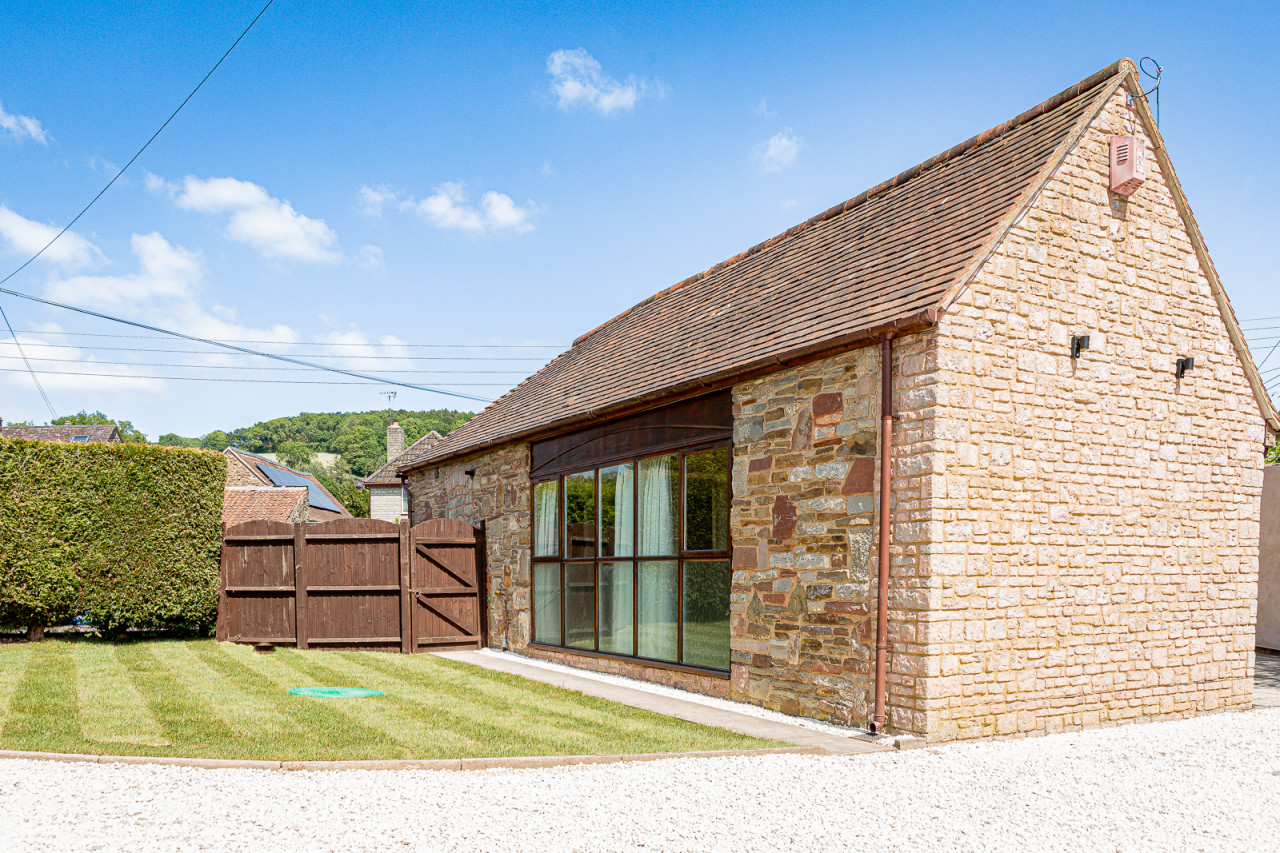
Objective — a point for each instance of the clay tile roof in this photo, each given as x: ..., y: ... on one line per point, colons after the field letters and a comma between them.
x: 95, y: 434
x: 320, y: 497
x: 263, y: 503
x: 881, y: 261
x: 387, y: 474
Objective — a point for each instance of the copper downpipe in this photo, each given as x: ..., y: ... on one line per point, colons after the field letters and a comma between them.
x: 882, y: 547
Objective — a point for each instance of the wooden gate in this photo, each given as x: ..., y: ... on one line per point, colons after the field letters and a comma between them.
x: 353, y: 583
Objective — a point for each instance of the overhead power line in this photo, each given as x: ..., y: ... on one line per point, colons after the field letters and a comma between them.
x: 34, y: 379
x: 261, y: 381
x: 89, y: 348
x: 194, y: 338
x: 81, y: 361
x: 300, y: 343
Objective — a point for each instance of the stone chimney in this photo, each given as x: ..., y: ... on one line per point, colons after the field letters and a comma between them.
x: 395, y: 440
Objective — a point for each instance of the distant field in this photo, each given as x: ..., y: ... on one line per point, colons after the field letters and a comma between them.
x: 208, y: 700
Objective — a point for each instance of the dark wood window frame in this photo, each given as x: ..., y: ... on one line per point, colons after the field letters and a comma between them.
x: 680, y: 557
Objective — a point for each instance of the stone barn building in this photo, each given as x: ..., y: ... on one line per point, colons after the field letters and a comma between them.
x: 1029, y: 330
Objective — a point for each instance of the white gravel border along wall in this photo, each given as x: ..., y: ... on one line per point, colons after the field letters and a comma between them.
x: 1210, y: 783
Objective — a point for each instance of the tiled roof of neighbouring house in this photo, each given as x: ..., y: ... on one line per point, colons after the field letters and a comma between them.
x: 324, y: 506
x: 95, y: 434
x: 883, y: 260
x: 262, y: 503
x: 387, y: 475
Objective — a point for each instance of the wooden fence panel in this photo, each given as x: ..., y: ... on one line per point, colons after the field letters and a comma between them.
x: 258, y: 583
x: 352, y: 583
x: 445, y: 579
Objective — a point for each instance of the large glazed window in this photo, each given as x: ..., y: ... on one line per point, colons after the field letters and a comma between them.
x: 632, y: 558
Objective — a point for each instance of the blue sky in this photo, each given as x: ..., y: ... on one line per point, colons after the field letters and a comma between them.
x: 367, y: 178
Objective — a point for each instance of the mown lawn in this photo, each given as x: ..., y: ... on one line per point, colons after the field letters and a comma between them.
x: 209, y: 700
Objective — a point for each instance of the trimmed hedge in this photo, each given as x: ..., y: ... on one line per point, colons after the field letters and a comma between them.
x: 123, y: 535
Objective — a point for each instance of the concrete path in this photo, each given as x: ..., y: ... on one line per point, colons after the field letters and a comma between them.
x: 682, y: 709
x: 1266, y: 681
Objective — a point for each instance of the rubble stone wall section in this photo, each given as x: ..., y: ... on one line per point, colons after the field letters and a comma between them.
x: 804, y: 524
x: 1097, y: 518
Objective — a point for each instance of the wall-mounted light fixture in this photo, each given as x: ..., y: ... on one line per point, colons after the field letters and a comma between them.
x: 1185, y: 366
x: 1079, y: 343
x: 470, y: 472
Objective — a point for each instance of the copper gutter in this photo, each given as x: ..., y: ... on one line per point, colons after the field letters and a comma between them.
x: 882, y: 546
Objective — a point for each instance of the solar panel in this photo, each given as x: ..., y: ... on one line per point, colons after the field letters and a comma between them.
x: 315, y: 495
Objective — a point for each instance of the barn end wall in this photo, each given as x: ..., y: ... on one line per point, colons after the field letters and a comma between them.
x: 1098, y: 517
x: 1269, y: 564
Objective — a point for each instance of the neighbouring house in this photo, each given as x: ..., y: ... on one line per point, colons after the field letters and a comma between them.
x: 265, y: 503
x: 1269, y: 563
x: 245, y: 469
x: 89, y: 434
x: 388, y: 495
x: 1029, y: 330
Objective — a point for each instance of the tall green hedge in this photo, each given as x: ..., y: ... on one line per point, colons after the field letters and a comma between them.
x: 119, y: 534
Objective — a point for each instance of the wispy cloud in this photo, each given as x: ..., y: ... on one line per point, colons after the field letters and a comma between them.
x: 164, y: 271
x: 26, y: 237
x: 577, y: 79
x: 778, y: 151
x: 62, y: 365
x: 256, y: 218
x: 373, y: 199
x: 449, y: 208
x: 762, y: 108
x: 20, y: 127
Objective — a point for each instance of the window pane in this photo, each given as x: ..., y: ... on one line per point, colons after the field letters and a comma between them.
x: 617, y: 516
x: 615, y: 608
x: 580, y: 605
x: 706, y: 613
x: 546, y: 519
x: 546, y: 603
x: 580, y: 514
x: 706, y: 500
x: 658, y: 611
x: 659, y: 503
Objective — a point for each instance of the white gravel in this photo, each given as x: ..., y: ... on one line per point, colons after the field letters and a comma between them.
x: 1205, y: 784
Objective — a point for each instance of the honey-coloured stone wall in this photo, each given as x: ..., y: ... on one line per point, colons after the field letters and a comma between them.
x: 1094, y: 520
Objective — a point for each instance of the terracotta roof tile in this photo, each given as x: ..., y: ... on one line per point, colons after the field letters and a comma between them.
x: 263, y: 503
x: 884, y: 259
x: 94, y: 434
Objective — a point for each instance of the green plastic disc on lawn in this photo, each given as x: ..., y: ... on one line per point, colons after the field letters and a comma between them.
x: 335, y: 692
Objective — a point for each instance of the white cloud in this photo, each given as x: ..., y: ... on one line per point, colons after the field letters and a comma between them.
x: 578, y: 79
x: 778, y: 151
x: 369, y: 257
x: 164, y: 271
x: 21, y: 127
x: 372, y: 199
x: 259, y: 220
x: 546, y: 169
x: 61, y: 366
x: 449, y: 209
x: 762, y: 108
x: 26, y: 237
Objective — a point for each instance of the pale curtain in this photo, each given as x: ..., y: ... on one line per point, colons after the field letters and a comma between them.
x: 623, y: 515
x: 545, y: 519
x: 657, y: 608
x: 657, y: 505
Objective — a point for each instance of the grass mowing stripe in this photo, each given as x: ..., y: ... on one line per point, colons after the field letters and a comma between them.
x: 475, y: 723
x: 518, y: 705
x: 183, y: 717
x: 428, y: 729
x: 111, y: 711
x: 324, y: 734
x: 568, y: 722
x: 241, y: 711
x: 43, y: 711
x: 13, y: 665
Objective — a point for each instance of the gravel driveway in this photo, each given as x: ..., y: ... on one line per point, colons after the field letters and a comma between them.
x: 1204, y: 784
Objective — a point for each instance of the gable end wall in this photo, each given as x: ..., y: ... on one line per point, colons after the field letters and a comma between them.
x: 1099, y: 519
